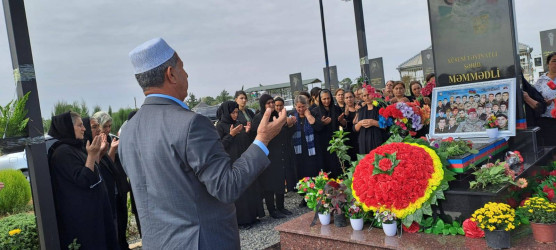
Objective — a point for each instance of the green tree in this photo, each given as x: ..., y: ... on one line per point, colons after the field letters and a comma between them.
x: 223, y: 96
x: 119, y: 118
x: 110, y: 110
x: 191, y: 100
x: 97, y: 108
x: 63, y: 106
x: 346, y: 82
x: 209, y: 100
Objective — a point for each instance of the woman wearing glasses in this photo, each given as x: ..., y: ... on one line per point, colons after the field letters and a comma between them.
x: 82, y: 208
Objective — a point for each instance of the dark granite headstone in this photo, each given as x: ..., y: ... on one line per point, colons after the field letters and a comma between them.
x: 548, y: 45
x: 427, y: 62
x: 296, y: 84
x: 473, y: 41
x: 377, y: 72
x: 333, y: 78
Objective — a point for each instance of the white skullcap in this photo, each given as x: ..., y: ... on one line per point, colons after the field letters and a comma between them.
x: 150, y: 55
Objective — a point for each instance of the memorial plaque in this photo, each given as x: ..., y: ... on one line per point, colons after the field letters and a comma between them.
x: 377, y: 72
x: 427, y: 62
x: 538, y: 61
x: 334, y: 84
x: 296, y: 84
x: 548, y: 45
x: 473, y: 40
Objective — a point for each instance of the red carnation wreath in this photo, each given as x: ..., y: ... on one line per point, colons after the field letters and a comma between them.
x: 411, y: 178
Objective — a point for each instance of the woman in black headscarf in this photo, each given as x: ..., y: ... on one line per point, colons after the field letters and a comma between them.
x: 331, y: 117
x: 235, y: 141
x: 82, y: 208
x: 273, y: 177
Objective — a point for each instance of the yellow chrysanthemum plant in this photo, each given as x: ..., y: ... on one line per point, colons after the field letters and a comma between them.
x: 495, y: 216
x: 539, y: 210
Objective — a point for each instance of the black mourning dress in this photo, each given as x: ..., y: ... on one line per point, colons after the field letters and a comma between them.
x: 249, y: 201
x: 83, y: 210
x: 372, y: 137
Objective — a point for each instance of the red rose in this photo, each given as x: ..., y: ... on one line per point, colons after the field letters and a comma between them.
x: 553, y: 173
x: 385, y: 164
x: 414, y: 228
x: 549, y: 192
x: 544, y: 172
x: 551, y: 85
x: 472, y: 230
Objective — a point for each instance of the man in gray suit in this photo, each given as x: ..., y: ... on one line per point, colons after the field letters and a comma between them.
x: 184, y: 183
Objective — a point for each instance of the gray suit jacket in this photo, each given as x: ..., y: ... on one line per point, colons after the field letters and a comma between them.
x: 183, y: 181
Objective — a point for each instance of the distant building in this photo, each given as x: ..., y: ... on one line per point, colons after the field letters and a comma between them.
x: 412, y: 67
x: 281, y: 89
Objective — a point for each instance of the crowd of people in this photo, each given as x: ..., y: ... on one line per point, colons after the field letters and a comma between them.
x: 200, y: 195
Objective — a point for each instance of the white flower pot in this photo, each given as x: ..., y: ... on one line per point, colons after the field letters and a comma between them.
x: 390, y: 229
x: 356, y: 224
x: 492, y: 132
x: 324, y: 219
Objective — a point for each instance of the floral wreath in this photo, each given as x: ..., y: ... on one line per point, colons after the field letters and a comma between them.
x: 402, y: 177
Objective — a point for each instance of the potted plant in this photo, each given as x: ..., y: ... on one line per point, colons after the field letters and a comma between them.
x: 496, y: 219
x: 13, y: 125
x: 335, y: 192
x: 388, y: 220
x: 313, y: 191
x: 542, y: 215
x: 356, y: 215
x: 491, y: 126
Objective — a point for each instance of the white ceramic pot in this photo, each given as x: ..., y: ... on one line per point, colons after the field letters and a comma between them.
x: 324, y: 219
x: 356, y: 224
x: 390, y: 229
x: 492, y: 132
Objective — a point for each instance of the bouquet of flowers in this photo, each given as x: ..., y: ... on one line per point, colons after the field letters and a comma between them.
x: 491, y: 122
x: 539, y: 210
x: 450, y: 147
x: 495, y: 216
x: 402, y: 118
x: 386, y: 217
x: 355, y: 211
x: 313, y: 189
x: 427, y: 90
x: 493, y: 174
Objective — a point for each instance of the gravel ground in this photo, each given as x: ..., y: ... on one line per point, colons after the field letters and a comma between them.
x: 261, y: 235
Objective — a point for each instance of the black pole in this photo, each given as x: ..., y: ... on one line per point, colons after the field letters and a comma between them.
x: 24, y: 74
x: 327, y: 74
x: 361, y: 39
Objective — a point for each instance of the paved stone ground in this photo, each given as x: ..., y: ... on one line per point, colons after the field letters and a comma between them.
x: 261, y: 235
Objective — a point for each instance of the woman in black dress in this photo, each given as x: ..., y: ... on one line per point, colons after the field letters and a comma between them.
x: 331, y: 117
x: 245, y: 115
x: 82, y: 208
x: 273, y: 177
x: 350, y: 112
x: 235, y: 144
x: 366, y: 123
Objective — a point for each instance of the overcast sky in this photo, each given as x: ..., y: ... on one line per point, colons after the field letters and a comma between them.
x: 80, y: 48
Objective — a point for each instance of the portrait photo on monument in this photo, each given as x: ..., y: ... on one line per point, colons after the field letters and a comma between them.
x: 463, y: 110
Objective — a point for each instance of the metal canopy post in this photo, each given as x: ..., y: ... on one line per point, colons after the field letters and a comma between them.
x: 24, y: 74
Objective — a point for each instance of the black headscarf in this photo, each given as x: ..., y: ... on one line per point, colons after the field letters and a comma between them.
x: 262, y: 102
x: 88, y: 131
x: 61, y: 128
x: 331, y: 108
x: 225, y: 110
